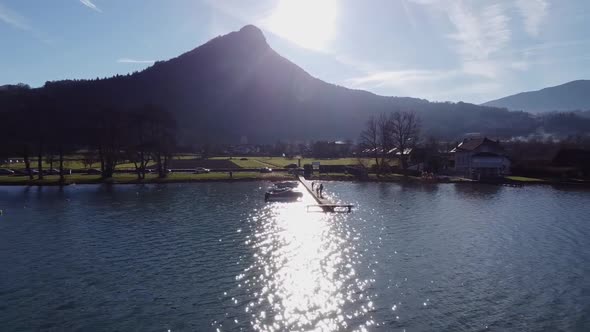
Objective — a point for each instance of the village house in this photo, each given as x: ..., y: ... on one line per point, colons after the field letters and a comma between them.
x: 480, y: 157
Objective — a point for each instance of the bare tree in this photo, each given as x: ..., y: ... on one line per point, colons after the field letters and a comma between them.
x: 40, y: 106
x: 141, y: 140
x: 404, y: 131
x: 49, y: 159
x: 369, y: 140
x: 110, y: 133
x: 384, y: 127
x: 89, y: 159
x: 27, y: 160
x: 163, y: 133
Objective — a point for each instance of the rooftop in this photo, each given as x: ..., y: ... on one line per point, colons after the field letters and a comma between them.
x: 474, y: 143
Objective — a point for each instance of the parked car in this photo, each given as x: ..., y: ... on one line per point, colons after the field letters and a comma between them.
x: 155, y: 170
x: 93, y: 171
x: 6, y: 171
x: 20, y: 172
x: 201, y: 170
x: 266, y: 170
x: 52, y: 171
x: 23, y: 171
x: 55, y: 171
x: 291, y: 166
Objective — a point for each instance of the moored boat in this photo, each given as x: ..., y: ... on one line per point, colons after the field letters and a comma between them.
x: 282, y: 195
x: 286, y: 184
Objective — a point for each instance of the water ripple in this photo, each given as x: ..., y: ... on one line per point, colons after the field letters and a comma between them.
x: 215, y: 256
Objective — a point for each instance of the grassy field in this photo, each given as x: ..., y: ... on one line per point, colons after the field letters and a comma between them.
x: 523, y: 179
x: 281, y: 162
x: 250, y: 162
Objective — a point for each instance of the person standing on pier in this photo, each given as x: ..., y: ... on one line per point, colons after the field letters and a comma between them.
x: 321, y: 190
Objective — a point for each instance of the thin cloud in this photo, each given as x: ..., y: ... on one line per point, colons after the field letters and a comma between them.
x: 89, y: 4
x: 13, y: 19
x: 533, y: 12
x: 398, y: 78
x: 434, y: 85
x: 409, y: 14
x: 479, y: 35
x: 127, y: 60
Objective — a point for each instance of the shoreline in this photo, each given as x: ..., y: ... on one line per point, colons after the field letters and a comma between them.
x: 56, y: 183
x: 250, y: 177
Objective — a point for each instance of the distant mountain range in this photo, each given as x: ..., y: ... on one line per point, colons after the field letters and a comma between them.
x: 235, y: 85
x: 571, y: 96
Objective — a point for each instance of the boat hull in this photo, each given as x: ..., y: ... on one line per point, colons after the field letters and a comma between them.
x: 287, y: 196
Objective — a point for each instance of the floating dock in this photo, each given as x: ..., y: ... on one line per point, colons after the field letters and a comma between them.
x: 323, y: 203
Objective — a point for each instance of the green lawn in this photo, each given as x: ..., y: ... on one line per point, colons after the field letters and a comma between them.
x: 250, y: 162
x: 523, y: 179
x: 281, y: 162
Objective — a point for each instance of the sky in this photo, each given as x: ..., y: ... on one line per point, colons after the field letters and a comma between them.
x: 441, y: 50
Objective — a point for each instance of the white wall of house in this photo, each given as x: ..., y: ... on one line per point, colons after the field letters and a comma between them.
x: 466, y: 163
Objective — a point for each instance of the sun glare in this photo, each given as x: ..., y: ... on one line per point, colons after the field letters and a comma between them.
x: 308, y: 23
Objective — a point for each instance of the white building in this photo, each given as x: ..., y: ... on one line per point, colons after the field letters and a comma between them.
x: 480, y: 157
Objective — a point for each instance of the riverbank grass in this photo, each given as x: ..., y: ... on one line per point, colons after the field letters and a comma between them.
x: 523, y: 179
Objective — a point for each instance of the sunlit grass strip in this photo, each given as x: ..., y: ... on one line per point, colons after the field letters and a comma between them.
x: 523, y: 179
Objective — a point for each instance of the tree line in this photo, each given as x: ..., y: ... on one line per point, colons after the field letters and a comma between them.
x: 43, y: 128
x: 390, y: 136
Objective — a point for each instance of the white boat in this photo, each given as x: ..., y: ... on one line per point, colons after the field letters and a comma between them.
x: 282, y: 195
x: 287, y: 184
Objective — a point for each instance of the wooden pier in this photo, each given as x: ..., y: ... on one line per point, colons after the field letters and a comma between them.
x: 323, y: 203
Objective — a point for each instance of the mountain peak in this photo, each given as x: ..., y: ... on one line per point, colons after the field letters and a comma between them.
x: 251, y: 29
x: 248, y: 40
x: 252, y: 32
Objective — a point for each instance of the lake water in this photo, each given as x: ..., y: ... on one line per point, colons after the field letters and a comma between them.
x: 199, y: 257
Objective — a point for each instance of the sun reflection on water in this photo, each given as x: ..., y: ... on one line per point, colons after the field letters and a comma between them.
x: 303, y: 275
